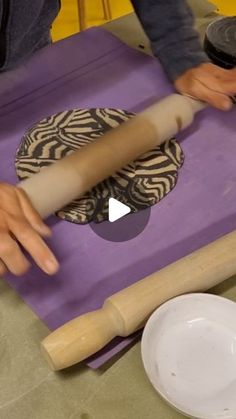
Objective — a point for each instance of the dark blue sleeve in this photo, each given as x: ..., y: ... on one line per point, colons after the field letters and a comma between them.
x: 169, y: 24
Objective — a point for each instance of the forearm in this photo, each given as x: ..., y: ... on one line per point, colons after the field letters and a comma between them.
x: 169, y: 26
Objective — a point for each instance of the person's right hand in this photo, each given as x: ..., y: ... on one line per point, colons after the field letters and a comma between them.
x: 209, y: 83
x: 20, y: 224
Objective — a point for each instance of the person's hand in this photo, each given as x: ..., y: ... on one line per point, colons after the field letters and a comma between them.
x: 21, y: 224
x: 210, y: 84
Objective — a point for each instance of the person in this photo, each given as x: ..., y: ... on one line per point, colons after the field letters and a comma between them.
x: 25, y: 28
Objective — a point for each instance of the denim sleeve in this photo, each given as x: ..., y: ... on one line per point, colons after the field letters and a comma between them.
x: 169, y: 24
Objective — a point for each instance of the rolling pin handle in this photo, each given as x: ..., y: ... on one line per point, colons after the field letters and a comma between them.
x: 63, y: 347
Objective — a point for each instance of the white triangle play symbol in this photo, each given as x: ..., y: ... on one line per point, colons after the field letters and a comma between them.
x: 117, y: 210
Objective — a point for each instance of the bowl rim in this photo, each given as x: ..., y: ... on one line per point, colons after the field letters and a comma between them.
x: 167, y: 304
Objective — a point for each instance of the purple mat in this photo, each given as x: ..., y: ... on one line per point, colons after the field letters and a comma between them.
x: 94, y: 69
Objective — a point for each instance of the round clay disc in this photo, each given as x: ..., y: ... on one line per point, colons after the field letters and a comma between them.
x: 139, y: 185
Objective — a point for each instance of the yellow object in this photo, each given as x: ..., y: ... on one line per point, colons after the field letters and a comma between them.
x: 226, y: 7
x: 67, y: 23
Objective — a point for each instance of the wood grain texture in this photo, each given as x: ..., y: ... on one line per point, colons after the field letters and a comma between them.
x: 128, y: 310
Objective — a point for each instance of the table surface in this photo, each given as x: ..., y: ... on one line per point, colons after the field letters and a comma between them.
x: 119, y: 390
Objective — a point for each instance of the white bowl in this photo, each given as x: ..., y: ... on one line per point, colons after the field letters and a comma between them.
x: 189, y: 354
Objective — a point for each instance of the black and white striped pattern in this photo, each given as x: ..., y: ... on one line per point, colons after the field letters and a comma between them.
x: 139, y: 185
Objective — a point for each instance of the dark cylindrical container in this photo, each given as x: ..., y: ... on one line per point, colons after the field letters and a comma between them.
x: 220, y: 42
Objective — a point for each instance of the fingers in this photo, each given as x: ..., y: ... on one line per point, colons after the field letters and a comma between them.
x: 210, y: 84
x: 19, y: 221
x: 207, y: 89
x: 215, y: 99
x: 228, y: 86
x: 11, y: 255
x: 31, y: 214
x: 31, y: 241
x: 216, y: 78
x: 223, y: 74
x: 34, y: 245
x: 218, y: 101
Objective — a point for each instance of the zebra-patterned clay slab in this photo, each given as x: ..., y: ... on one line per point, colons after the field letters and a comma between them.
x: 139, y: 185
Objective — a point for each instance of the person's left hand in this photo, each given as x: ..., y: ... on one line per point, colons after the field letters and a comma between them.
x: 209, y: 83
x: 22, y: 228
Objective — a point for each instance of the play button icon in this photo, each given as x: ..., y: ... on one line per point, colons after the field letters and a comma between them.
x: 122, y: 223
x: 117, y: 210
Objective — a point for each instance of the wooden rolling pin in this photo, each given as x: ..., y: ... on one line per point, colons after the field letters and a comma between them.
x: 129, y: 309
x: 74, y: 175
x: 71, y: 178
